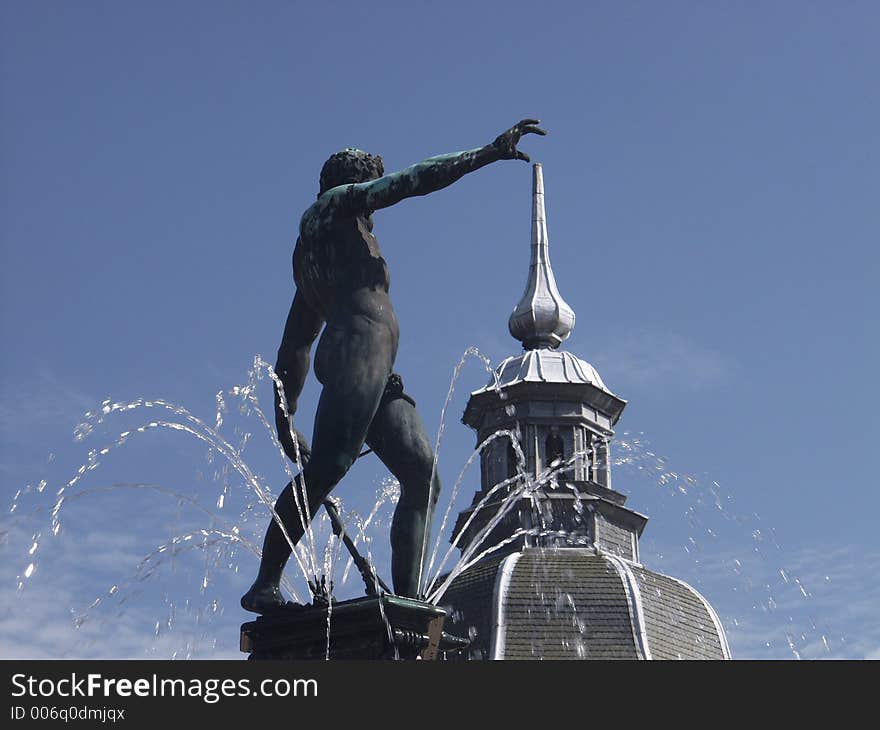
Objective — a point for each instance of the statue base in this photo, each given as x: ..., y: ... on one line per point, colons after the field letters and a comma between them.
x: 374, y: 627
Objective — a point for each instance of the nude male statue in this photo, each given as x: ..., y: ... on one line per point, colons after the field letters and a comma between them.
x: 342, y: 285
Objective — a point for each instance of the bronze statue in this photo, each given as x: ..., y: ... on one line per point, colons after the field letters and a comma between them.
x: 342, y: 285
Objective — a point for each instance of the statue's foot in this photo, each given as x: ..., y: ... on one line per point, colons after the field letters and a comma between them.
x: 264, y: 599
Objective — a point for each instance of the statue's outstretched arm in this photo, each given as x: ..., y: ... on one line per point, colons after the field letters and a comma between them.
x: 432, y: 174
x: 292, y: 367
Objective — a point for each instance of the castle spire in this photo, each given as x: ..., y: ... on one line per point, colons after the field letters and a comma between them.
x: 542, y: 319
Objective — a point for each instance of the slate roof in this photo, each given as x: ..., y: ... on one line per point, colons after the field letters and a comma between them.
x: 577, y: 603
x: 470, y: 605
x: 675, y: 614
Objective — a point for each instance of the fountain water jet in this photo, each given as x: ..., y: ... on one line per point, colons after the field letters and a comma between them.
x: 698, y: 501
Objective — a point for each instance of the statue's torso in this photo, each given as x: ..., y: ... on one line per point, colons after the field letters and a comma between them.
x: 338, y: 267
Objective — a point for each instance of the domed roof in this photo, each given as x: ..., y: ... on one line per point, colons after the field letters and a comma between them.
x: 544, y: 374
x: 545, y: 366
x: 579, y: 603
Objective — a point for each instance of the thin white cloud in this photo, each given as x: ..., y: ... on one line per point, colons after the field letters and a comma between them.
x: 46, y: 400
x: 812, y: 602
x: 644, y: 359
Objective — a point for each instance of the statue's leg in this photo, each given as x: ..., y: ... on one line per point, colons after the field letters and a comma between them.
x: 400, y: 441
x: 354, y: 379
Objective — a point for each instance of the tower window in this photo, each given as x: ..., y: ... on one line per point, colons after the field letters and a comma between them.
x: 511, y: 460
x: 554, y: 448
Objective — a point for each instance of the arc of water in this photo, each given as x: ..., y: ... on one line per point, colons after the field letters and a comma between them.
x: 477, y: 508
x: 533, y: 531
x: 211, y: 437
x: 362, y: 526
x: 526, y: 489
x: 389, y: 631
x: 469, y: 352
x: 367, y: 571
x: 147, y: 566
x: 198, y: 429
x: 302, y: 511
x: 479, y: 450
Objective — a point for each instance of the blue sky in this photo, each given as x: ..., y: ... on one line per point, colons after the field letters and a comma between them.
x: 712, y: 187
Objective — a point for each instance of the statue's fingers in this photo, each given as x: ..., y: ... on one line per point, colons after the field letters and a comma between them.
x: 523, y: 156
x: 528, y: 122
x: 533, y: 130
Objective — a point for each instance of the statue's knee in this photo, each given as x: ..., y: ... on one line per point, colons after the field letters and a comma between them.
x: 284, y: 505
x: 326, y: 472
x: 422, y: 485
x: 423, y: 456
x: 338, y: 468
x: 429, y: 475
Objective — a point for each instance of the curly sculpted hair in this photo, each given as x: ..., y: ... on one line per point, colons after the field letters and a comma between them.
x: 350, y: 166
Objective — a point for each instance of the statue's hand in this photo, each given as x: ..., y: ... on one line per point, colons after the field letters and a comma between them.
x: 506, y: 142
x: 284, y: 429
x: 305, y: 452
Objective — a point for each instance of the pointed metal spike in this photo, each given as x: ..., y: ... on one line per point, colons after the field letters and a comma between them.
x: 542, y: 319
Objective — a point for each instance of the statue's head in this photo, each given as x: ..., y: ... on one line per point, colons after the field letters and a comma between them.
x: 350, y: 166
